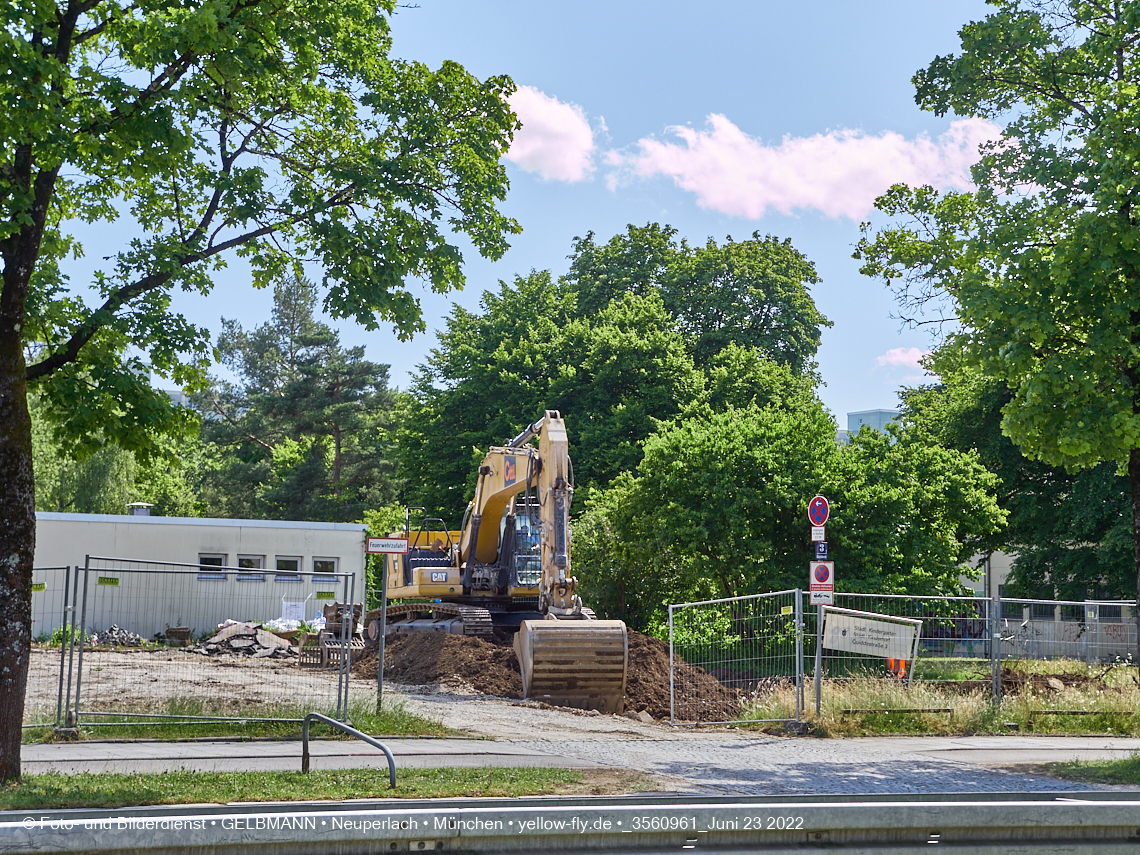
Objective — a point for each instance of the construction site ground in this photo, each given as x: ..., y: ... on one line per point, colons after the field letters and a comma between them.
x: 506, y: 731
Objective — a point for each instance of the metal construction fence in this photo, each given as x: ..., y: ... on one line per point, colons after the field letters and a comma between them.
x: 750, y: 643
x: 158, y: 640
x: 744, y: 645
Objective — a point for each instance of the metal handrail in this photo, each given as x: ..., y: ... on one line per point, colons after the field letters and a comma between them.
x: 351, y: 731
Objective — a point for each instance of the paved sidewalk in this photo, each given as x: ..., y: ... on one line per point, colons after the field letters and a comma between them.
x: 266, y: 756
x: 712, y: 762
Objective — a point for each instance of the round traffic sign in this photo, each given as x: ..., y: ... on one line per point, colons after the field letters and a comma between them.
x: 822, y: 573
x: 818, y: 509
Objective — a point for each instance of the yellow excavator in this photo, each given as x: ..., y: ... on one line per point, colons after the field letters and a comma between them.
x: 507, y: 569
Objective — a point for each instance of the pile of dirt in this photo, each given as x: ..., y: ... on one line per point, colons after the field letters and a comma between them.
x: 434, y: 657
x: 647, y: 684
x: 1018, y: 680
x: 493, y: 669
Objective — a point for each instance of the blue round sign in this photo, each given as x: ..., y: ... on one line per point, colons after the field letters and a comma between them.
x: 818, y: 509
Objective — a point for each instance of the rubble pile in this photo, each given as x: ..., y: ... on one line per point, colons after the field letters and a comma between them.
x: 116, y: 636
x: 240, y: 639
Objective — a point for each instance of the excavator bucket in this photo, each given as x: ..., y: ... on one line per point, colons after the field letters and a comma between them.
x: 574, y: 663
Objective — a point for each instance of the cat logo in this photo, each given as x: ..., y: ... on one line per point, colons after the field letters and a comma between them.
x: 509, y: 476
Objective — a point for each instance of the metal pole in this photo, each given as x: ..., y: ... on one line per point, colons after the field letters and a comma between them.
x: 383, y: 631
x: 818, y: 656
x: 1092, y: 633
x: 799, y: 654
x: 994, y: 605
x: 63, y: 646
x: 82, y: 635
x: 672, y: 696
x: 345, y: 638
x: 69, y: 633
x: 913, y: 657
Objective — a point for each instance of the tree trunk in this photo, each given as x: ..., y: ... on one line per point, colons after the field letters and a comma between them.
x: 17, y: 537
x: 1134, y: 482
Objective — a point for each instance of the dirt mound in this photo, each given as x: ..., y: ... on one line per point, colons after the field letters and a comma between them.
x: 647, y: 684
x: 433, y: 657
x: 493, y: 669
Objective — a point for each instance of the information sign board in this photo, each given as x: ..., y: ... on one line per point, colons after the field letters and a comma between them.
x: 872, y: 635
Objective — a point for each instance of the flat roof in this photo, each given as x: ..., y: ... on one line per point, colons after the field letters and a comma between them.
x: 147, y: 520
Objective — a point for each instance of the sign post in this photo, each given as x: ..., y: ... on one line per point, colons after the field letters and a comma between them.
x: 819, y: 509
x: 383, y: 546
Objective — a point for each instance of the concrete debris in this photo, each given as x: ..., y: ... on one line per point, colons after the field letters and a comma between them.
x: 242, y: 639
x: 117, y: 637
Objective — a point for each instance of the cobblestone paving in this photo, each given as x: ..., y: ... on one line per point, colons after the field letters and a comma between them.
x: 726, y: 764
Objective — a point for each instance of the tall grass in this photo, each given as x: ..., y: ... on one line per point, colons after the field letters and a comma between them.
x: 1108, y: 703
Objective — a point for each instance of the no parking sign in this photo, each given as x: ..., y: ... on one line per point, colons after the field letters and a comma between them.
x: 818, y: 509
x: 822, y: 583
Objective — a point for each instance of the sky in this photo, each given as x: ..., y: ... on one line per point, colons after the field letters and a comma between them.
x: 721, y: 118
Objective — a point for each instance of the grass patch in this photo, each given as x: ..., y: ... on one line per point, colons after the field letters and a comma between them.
x: 393, y: 720
x: 1111, y: 693
x: 1126, y: 771
x: 57, y: 791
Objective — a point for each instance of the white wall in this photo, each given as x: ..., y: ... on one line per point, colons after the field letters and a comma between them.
x: 149, y: 602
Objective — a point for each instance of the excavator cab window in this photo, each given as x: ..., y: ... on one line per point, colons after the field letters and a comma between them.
x: 528, y: 552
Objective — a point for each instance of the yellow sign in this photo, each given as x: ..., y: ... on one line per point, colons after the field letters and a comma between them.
x: 39, y: 586
x: 326, y: 595
x: 113, y: 581
x: 786, y: 610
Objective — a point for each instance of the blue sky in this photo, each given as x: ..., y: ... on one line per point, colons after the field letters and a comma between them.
x: 792, y: 116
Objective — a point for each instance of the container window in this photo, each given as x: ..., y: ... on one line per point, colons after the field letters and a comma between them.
x: 207, y: 560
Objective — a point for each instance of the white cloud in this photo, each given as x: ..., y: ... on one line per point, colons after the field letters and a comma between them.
x: 902, y: 356
x: 555, y: 141
x: 838, y: 173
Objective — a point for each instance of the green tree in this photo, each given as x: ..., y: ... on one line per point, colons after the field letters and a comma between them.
x: 753, y: 293
x: 486, y: 380
x: 612, y: 375
x: 1042, y: 262
x: 1070, y: 533
x: 635, y: 332
x: 305, y: 433
x: 717, y: 508
x: 271, y: 128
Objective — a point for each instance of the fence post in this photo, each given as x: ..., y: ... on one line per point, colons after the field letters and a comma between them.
x: 82, y: 634
x: 672, y: 698
x: 1092, y: 631
x: 799, y: 654
x: 63, y: 646
x: 995, y: 646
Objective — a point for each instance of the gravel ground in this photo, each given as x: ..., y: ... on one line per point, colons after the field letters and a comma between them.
x: 138, y: 679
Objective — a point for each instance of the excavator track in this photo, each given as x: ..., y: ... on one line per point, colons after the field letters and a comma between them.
x: 432, y: 617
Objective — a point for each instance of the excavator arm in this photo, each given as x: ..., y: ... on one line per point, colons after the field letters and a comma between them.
x: 505, y: 472
x: 569, y: 658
